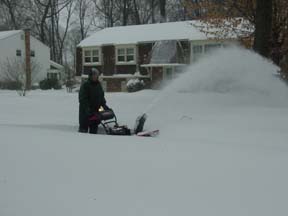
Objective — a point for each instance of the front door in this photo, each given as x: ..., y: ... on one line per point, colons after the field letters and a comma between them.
x: 108, y: 53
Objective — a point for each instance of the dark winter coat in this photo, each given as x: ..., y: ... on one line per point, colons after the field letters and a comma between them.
x: 91, y: 98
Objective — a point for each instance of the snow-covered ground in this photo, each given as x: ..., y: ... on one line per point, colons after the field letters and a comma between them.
x: 222, y: 149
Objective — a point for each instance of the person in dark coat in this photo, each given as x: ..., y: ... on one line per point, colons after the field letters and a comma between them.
x: 91, y: 98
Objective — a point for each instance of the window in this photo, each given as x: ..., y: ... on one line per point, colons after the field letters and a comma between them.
x: 130, y: 55
x: 52, y: 75
x: 121, y: 55
x: 18, y: 53
x: 92, y: 56
x: 32, y: 53
x: 126, y: 55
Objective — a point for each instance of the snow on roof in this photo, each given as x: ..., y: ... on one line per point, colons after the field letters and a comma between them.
x: 56, y: 65
x: 144, y: 33
x: 5, y: 34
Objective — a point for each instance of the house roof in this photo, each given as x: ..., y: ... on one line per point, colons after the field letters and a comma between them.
x: 134, y: 34
x: 184, y: 30
x: 5, y: 34
x: 56, y: 65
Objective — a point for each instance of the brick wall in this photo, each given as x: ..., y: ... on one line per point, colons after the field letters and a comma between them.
x: 125, y: 69
x: 114, y: 84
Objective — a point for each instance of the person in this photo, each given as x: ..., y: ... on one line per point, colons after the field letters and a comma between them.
x: 91, y: 98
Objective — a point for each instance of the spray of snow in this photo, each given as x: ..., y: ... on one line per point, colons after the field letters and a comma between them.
x: 163, y: 51
x: 231, y: 71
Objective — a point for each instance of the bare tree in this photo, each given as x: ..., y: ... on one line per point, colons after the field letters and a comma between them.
x: 61, y: 35
x: 162, y: 6
x: 124, y: 7
x: 136, y: 13
x: 263, y: 27
x: 279, y: 38
x: 15, y: 14
x: 58, y: 27
x: 176, y: 10
x: 107, y: 11
x: 41, y: 13
x: 11, y: 8
x: 143, y: 13
x: 84, y: 16
x: 269, y: 18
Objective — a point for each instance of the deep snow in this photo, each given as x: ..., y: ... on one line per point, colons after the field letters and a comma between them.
x: 222, y: 149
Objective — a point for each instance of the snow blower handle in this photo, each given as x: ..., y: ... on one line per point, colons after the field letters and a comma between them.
x: 105, y: 107
x: 107, y: 114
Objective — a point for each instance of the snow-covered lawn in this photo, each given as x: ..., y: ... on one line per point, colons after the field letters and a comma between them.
x: 220, y: 151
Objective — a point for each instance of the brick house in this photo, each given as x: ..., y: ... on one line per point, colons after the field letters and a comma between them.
x: 153, y: 52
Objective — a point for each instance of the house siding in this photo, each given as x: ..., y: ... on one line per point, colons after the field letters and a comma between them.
x: 42, y: 57
x: 114, y: 85
x: 9, y: 45
x: 126, y: 69
x: 87, y: 69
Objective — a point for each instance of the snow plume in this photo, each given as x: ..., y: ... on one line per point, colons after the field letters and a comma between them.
x: 163, y: 51
x: 234, y: 71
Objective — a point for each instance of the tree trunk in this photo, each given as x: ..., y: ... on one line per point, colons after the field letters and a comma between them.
x: 125, y: 12
x: 52, y: 33
x: 43, y: 21
x: 152, y: 11
x: 263, y: 27
x: 162, y: 4
x: 136, y: 13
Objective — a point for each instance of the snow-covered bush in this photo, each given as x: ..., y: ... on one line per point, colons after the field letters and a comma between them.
x: 134, y: 85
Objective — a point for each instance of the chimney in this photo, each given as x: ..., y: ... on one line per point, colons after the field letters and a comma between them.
x: 27, y: 59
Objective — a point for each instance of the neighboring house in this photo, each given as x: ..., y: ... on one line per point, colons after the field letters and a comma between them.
x: 19, y: 46
x: 56, y: 71
x: 154, y: 52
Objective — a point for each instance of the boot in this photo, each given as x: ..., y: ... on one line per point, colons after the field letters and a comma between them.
x: 93, y: 129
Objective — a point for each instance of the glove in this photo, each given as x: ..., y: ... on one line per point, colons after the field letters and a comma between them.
x: 94, y: 118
